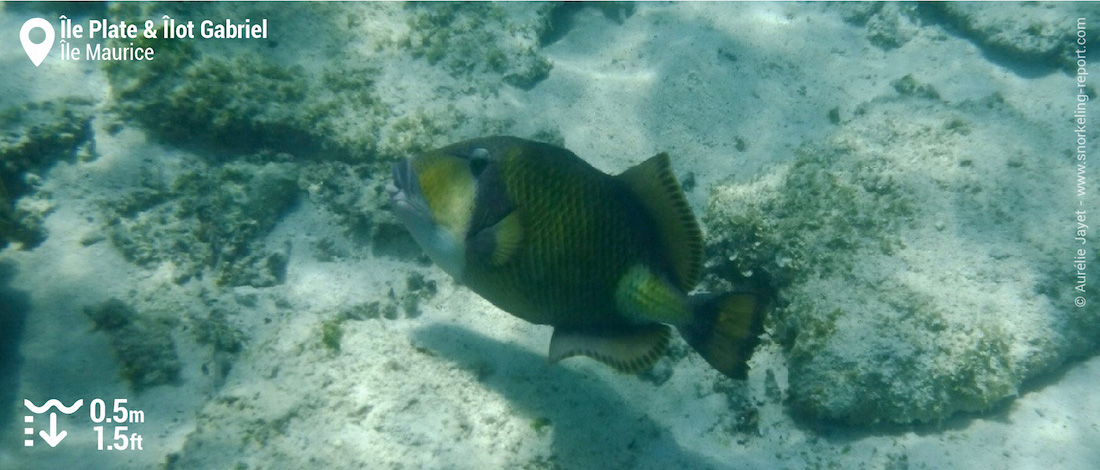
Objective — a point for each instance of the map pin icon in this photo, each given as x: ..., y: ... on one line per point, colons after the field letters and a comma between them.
x: 37, y: 52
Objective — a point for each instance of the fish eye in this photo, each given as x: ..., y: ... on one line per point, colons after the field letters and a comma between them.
x: 479, y: 158
x: 479, y: 154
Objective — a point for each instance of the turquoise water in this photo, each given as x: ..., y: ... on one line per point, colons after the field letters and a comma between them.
x: 200, y: 246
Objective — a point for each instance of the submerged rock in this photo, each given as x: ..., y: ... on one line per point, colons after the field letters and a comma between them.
x: 209, y: 219
x: 141, y: 342
x: 1023, y: 33
x: 472, y: 39
x: 35, y: 136
x: 198, y: 96
x: 921, y: 258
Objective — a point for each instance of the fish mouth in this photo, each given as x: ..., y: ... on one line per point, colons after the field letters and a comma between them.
x: 404, y: 191
x: 402, y: 175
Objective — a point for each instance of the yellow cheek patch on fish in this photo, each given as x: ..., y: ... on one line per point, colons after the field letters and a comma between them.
x: 648, y: 297
x: 449, y: 189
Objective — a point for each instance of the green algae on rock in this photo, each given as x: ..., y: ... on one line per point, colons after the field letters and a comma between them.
x: 243, y: 104
x: 888, y: 25
x: 399, y: 300
x: 354, y: 195
x: 195, y: 95
x: 469, y: 39
x: 916, y: 259
x: 142, y: 343
x: 35, y: 136
x: 1029, y: 33
x: 210, y: 218
x: 213, y: 327
x: 1022, y: 35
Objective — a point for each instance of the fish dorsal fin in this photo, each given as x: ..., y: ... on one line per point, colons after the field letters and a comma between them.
x: 631, y: 350
x: 653, y: 183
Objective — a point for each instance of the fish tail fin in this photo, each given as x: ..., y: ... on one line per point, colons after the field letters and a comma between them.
x: 725, y: 329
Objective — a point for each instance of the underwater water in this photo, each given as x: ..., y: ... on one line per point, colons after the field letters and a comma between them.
x: 200, y: 266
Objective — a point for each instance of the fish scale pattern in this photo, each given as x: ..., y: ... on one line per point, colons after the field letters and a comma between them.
x: 583, y: 231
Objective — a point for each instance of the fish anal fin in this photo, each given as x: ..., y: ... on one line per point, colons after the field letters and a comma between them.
x: 629, y: 351
x: 654, y: 184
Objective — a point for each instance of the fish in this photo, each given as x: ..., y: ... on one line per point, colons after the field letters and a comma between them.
x: 608, y: 261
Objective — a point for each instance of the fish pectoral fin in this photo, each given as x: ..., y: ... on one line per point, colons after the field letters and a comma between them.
x: 499, y: 242
x: 630, y: 350
x: 509, y: 237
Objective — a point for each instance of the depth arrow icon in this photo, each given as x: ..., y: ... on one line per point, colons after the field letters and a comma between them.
x: 53, y: 438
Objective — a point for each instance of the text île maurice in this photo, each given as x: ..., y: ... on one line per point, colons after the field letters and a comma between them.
x: 101, y: 52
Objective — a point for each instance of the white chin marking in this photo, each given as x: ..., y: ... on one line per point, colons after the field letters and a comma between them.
x: 442, y: 247
x: 448, y: 253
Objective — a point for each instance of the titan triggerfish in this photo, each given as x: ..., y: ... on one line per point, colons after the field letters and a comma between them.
x: 608, y: 261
